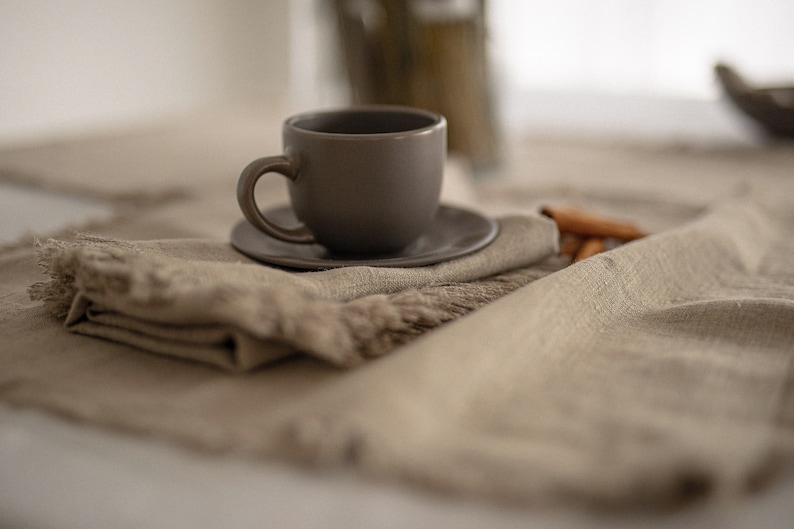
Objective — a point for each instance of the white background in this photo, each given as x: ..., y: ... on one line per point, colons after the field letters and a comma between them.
x: 80, y: 65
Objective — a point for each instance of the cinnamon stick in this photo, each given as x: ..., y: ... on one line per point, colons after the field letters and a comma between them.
x: 570, y: 243
x: 592, y: 225
x: 589, y: 248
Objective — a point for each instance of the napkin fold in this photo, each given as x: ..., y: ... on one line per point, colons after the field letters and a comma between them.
x: 200, y: 300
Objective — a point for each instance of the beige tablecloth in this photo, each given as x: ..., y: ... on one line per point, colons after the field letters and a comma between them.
x: 654, y: 373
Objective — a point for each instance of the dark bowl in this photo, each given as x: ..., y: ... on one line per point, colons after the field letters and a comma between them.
x: 770, y: 107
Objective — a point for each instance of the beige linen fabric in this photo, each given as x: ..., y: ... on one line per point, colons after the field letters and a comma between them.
x: 654, y: 373
x: 196, y: 299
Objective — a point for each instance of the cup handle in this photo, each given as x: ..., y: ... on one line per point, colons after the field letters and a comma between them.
x: 245, y: 197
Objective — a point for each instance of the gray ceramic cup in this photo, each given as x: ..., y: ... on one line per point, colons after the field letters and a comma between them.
x: 362, y: 180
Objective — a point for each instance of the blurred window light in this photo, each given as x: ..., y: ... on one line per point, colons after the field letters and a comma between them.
x: 663, y: 48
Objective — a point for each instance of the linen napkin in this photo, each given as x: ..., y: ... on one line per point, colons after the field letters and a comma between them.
x: 658, y: 372
x: 200, y: 300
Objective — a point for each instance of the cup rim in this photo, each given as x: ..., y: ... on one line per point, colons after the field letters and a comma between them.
x: 437, y: 121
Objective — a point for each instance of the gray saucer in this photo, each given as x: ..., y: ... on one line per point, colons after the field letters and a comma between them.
x: 454, y: 233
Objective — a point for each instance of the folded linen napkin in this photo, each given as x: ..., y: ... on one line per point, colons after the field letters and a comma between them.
x: 201, y: 300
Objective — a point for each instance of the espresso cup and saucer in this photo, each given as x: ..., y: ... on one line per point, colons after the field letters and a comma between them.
x: 364, y: 186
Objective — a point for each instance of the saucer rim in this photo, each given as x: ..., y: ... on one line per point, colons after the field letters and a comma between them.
x: 490, y: 231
